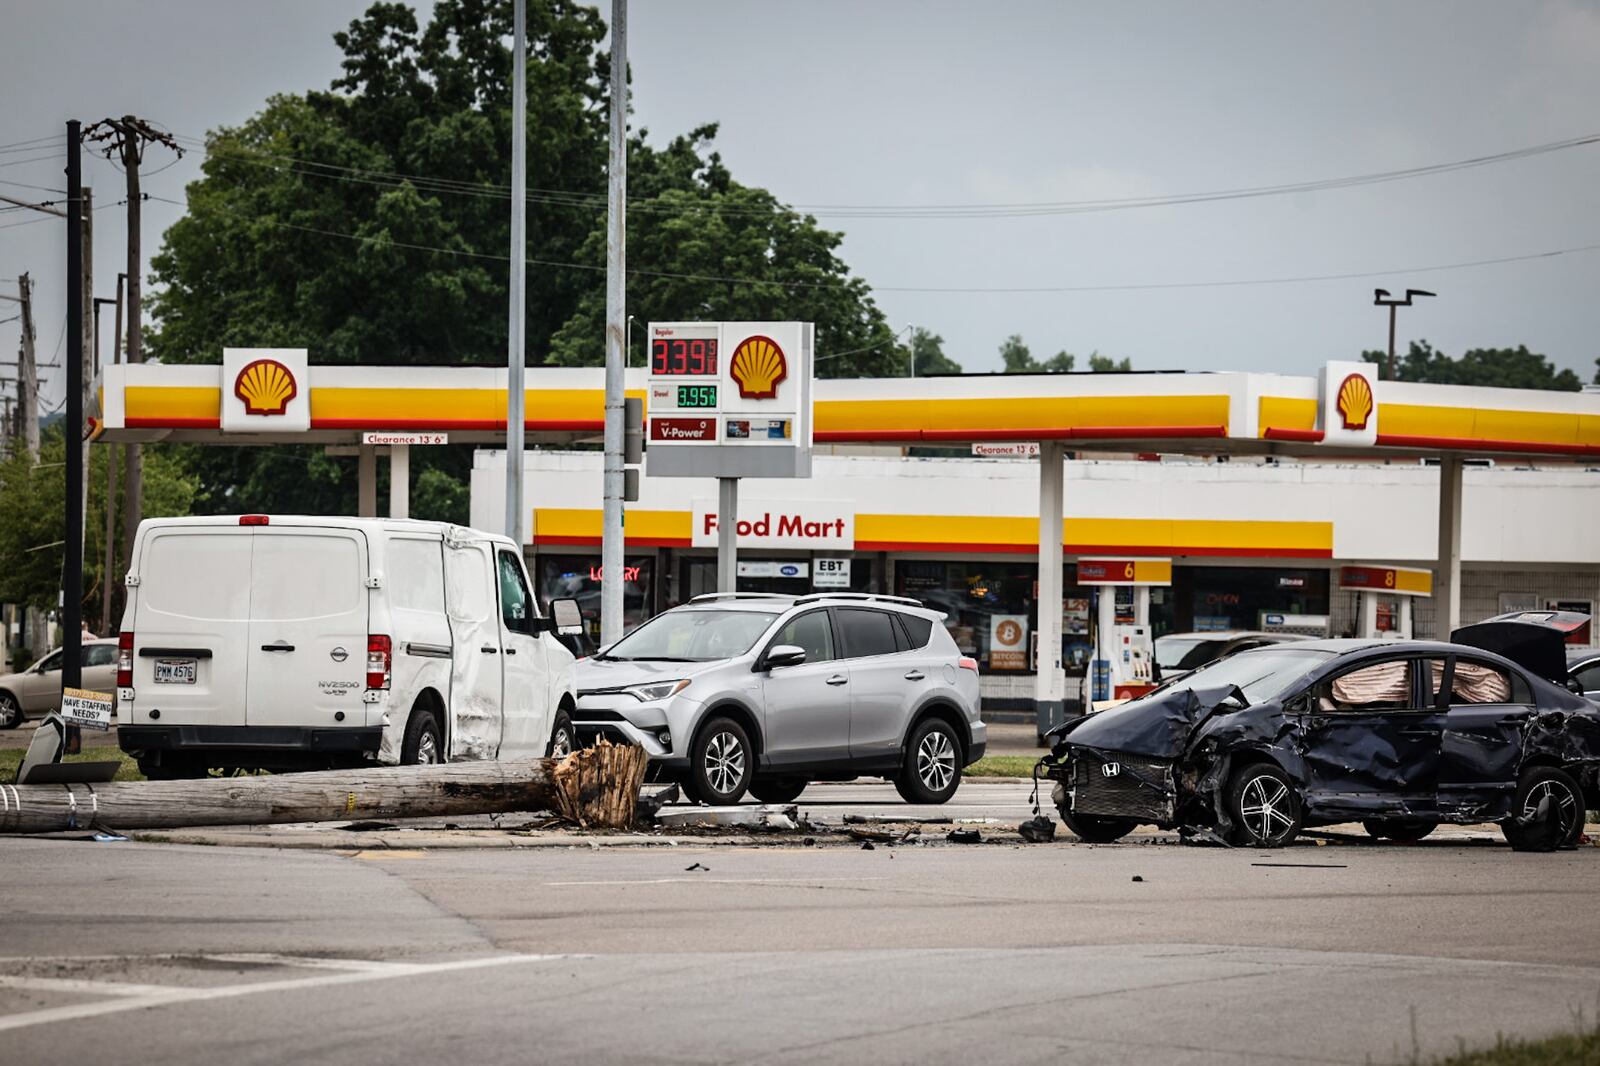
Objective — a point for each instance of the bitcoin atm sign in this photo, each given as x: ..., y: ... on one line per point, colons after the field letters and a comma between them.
x: 729, y: 399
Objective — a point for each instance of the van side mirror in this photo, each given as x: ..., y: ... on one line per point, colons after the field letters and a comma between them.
x: 567, y: 617
x: 784, y: 655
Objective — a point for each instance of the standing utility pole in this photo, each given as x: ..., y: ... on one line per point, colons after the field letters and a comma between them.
x: 86, y: 337
x: 125, y: 139
x: 516, y: 354
x: 614, y: 486
x: 1381, y: 298
x: 27, y: 426
x: 28, y: 373
x: 108, y: 560
x: 72, y: 563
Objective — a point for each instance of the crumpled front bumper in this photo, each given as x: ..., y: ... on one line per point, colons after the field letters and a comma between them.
x: 1108, y: 784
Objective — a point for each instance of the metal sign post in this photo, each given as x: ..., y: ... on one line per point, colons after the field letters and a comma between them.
x: 729, y: 400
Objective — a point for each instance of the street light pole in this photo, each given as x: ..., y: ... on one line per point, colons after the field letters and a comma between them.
x: 1381, y: 298
x: 516, y: 355
x: 613, y: 485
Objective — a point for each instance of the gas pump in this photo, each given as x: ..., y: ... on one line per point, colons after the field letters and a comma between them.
x: 1384, y: 596
x: 1124, y: 655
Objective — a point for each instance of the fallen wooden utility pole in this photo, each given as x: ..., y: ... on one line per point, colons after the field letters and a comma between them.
x: 329, y: 795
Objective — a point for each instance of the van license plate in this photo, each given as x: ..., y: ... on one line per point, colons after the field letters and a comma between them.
x: 175, y: 671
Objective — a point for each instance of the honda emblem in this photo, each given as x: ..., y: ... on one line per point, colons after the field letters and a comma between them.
x: 1111, y: 769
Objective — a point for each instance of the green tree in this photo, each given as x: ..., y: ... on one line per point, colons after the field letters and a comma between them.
x: 928, y: 349
x: 1506, y: 368
x: 1104, y: 364
x: 33, y: 522
x: 1016, y: 357
x: 369, y: 224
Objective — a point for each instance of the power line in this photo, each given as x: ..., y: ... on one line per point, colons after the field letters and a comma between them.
x: 29, y: 146
x: 988, y: 290
x: 596, y: 201
x: 25, y: 185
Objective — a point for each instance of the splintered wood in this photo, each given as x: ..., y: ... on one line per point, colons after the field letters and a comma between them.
x: 598, y: 787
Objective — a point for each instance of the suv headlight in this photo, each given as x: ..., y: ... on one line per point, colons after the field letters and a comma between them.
x: 656, y: 690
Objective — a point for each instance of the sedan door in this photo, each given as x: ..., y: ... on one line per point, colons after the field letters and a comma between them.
x: 1372, y: 738
x: 1489, y: 711
x: 807, y: 707
x: 39, y: 690
x: 100, y: 667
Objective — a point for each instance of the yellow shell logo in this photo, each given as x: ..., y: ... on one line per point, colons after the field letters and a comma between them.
x: 266, y: 386
x: 759, y: 366
x: 1355, y: 401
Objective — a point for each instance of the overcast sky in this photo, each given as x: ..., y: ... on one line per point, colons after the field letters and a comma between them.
x: 893, y: 104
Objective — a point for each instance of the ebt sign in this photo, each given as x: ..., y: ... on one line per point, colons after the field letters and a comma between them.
x: 809, y: 525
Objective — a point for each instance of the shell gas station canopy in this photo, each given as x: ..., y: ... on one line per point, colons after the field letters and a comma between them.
x: 1342, y: 411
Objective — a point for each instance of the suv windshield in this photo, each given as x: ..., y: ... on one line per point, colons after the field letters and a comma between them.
x: 1261, y: 673
x: 692, y: 636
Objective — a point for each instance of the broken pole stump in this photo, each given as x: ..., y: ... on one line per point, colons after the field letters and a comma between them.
x: 598, y: 787
x: 321, y: 796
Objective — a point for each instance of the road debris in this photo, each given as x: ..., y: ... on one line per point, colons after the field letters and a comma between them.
x: 964, y: 836
x: 1039, y: 830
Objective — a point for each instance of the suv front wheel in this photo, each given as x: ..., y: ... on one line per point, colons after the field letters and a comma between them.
x: 721, y: 763
x: 932, y: 769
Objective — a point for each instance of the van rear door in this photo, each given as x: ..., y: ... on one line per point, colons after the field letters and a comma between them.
x: 191, y: 623
x: 307, y: 649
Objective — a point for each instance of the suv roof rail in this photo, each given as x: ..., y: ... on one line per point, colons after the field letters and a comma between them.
x: 869, y: 596
x: 708, y: 597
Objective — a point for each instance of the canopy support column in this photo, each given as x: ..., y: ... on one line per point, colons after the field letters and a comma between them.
x: 367, y: 482
x: 399, y: 481
x: 1050, y: 682
x: 1447, y: 576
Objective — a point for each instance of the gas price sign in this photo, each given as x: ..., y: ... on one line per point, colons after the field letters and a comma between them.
x: 730, y: 399
x: 671, y: 356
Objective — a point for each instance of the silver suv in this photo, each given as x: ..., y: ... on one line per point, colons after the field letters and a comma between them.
x: 741, y: 692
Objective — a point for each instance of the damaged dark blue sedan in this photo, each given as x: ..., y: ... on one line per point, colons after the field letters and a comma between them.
x: 1400, y: 737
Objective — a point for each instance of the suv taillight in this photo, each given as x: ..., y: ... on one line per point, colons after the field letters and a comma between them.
x: 378, y: 659
x: 968, y: 663
x: 125, y: 660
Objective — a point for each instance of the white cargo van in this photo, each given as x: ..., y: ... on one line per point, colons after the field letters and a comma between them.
x: 283, y: 643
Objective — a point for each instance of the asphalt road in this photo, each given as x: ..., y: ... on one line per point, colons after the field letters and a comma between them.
x: 135, y: 952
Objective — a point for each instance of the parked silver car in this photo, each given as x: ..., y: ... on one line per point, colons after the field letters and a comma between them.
x: 767, y: 693
x: 36, y: 691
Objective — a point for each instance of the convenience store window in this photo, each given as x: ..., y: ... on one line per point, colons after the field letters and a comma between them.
x: 579, y: 577
x: 981, y: 600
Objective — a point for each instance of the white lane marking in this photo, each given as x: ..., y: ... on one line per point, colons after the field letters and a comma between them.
x: 165, y: 996
x: 73, y: 984
x: 711, y: 881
